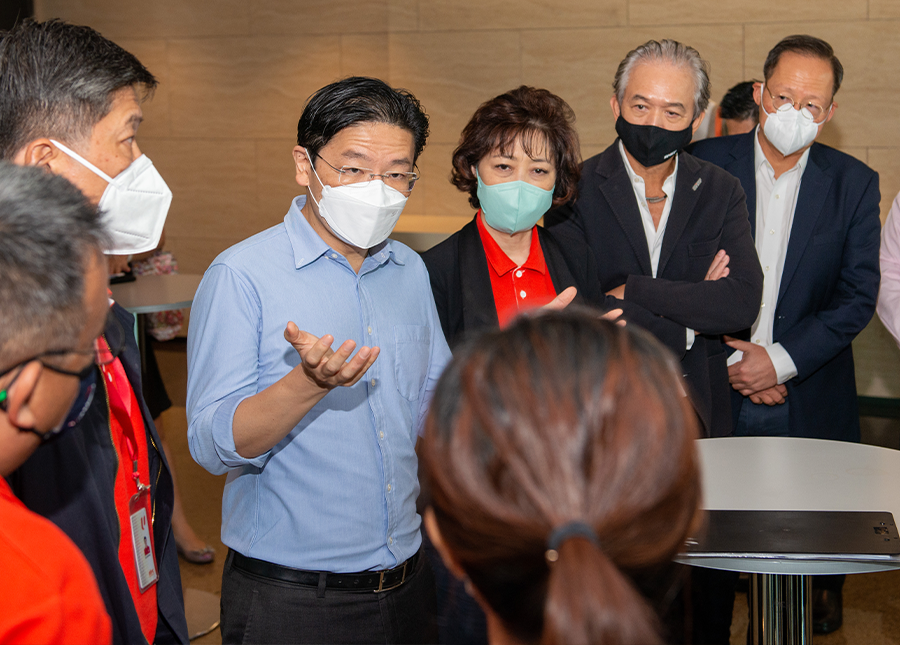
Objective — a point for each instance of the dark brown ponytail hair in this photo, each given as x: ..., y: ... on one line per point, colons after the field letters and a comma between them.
x: 560, y: 418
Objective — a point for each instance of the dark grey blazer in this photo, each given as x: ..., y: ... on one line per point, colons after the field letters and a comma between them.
x: 708, y: 213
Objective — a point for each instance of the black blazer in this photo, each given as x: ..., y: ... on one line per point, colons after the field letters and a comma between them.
x: 71, y: 480
x: 461, y: 282
x: 708, y: 213
x: 829, y: 284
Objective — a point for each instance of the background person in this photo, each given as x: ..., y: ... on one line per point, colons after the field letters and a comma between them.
x: 816, y: 215
x: 559, y: 461
x: 889, y: 257
x: 668, y: 231
x: 70, y: 103
x: 738, y: 113
x: 517, y: 156
x: 52, y: 309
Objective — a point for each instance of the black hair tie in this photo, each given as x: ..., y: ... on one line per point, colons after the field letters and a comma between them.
x: 565, y: 532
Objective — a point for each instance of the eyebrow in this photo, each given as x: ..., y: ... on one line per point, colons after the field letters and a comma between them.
x: 638, y: 97
x: 134, y: 121
x: 354, y: 154
x: 500, y: 155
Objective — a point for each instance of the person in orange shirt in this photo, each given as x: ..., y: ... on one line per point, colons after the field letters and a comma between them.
x: 52, y: 309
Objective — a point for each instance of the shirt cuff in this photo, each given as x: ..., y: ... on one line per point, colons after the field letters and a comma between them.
x: 690, y: 337
x: 782, y: 361
x: 223, y: 436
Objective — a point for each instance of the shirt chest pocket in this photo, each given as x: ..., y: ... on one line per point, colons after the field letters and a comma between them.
x: 412, y: 352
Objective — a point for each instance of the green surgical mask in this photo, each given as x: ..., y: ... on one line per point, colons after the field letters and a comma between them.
x: 514, y: 206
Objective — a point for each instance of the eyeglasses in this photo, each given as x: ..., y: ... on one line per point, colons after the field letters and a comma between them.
x: 808, y: 110
x: 402, y: 181
x: 106, y: 349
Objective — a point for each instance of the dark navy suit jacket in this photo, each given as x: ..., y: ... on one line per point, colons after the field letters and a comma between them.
x: 830, y: 281
x: 708, y: 213
x: 71, y: 482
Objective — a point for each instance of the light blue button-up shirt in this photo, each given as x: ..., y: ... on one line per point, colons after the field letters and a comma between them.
x: 339, y: 492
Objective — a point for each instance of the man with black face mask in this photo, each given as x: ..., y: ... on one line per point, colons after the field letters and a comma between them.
x: 669, y: 232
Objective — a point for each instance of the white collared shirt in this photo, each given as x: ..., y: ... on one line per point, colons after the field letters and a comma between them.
x: 654, y: 234
x: 776, y: 201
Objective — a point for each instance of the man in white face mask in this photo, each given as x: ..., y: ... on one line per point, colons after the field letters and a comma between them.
x: 318, y: 442
x: 815, y: 213
x: 70, y: 104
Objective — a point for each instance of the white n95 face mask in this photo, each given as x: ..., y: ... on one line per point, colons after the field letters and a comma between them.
x: 134, y: 205
x: 362, y: 215
x: 788, y: 129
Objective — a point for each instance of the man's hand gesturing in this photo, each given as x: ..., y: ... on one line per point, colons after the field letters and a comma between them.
x: 327, y: 368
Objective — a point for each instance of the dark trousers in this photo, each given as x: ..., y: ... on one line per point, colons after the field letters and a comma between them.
x: 262, y: 610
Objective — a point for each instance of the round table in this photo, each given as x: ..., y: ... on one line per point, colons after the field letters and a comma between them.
x: 150, y: 293
x: 787, y: 473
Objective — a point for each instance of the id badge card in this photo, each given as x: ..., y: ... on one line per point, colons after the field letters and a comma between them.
x: 142, y: 540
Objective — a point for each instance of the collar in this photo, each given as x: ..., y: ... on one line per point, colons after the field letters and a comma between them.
x: 308, y: 246
x: 634, y: 178
x: 499, y: 261
x: 759, y: 157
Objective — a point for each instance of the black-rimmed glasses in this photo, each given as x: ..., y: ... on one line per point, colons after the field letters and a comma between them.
x: 106, y: 349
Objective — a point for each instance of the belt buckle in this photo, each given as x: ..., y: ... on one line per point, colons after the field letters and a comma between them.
x: 381, y: 586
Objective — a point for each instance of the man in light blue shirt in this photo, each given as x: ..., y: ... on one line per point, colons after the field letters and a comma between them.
x: 319, y: 509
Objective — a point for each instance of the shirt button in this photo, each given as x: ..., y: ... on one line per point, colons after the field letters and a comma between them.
x: 381, y: 435
x: 777, y: 196
x: 519, y: 274
x: 522, y: 294
x: 767, y: 268
x: 374, y: 382
x: 762, y: 305
x: 772, y: 232
x: 334, y: 256
x: 758, y: 341
x: 389, y: 488
x: 390, y: 540
x: 370, y: 330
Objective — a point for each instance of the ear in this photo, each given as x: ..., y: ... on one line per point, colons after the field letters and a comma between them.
x: 696, y: 123
x: 757, y: 93
x: 614, y: 104
x: 834, y: 107
x: 303, y: 166
x: 19, y: 407
x: 434, y: 532
x: 40, y: 152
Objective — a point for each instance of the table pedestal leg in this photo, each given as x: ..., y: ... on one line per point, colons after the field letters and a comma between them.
x: 780, y: 609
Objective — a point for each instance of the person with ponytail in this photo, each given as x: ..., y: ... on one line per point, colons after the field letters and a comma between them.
x: 559, y: 468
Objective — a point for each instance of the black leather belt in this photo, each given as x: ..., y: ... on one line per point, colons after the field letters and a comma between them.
x: 376, y: 581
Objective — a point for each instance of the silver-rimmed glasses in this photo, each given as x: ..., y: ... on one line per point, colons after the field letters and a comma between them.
x: 809, y: 110
x: 401, y: 181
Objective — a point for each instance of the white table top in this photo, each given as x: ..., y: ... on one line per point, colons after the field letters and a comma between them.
x: 785, y: 473
x: 151, y: 293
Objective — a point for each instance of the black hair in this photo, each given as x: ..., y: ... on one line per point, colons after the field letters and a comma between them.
x: 738, y: 103
x: 355, y: 100
x: 806, y: 46
x: 48, y: 232
x: 57, y: 80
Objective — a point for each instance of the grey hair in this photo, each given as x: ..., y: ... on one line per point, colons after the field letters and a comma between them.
x: 48, y: 233
x: 57, y: 80
x: 674, y: 53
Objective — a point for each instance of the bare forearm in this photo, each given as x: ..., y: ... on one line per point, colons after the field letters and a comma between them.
x: 264, y: 419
